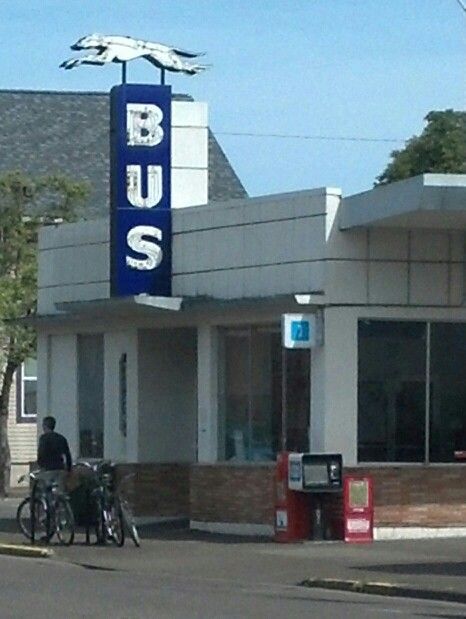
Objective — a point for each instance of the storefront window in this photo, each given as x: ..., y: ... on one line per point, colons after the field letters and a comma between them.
x: 399, y: 419
x: 91, y: 395
x: 251, y: 398
x: 448, y: 400
x: 391, y: 391
x: 27, y: 392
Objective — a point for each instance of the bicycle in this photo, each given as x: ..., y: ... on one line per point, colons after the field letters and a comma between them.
x: 109, y: 515
x: 114, y: 513
x: 127, y: 512
x: 51, y: 513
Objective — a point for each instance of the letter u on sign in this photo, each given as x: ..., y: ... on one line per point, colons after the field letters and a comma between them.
x: 134, y: 186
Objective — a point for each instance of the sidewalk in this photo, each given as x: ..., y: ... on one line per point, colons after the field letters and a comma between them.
x: 422, y: 568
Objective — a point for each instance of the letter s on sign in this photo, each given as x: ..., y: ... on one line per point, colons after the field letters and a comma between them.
x: 138, y: 240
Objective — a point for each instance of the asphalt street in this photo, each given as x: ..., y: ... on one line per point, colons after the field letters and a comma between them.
x: 179, y: 573
x: 41, y: 589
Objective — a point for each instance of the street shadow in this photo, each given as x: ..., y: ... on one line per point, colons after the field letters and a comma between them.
x: 165, y: 531
x: 445, y: 568
x: 169, y: 532
x: 8, y: 525
x: 180, y: 531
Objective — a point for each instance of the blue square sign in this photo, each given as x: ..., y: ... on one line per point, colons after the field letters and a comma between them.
x: 300, y: 330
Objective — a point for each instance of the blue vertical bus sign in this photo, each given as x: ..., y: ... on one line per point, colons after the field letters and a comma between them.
x: 140, y: 158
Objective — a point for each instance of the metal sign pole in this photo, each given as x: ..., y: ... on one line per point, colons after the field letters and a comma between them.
x: 284, y: 398
x: 123, y: 72
x: 32, y: 507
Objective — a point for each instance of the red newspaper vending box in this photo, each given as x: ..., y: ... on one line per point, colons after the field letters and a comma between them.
x: 358, y: 509
x: 292, y: 509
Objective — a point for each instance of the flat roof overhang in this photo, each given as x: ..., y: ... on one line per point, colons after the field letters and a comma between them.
x: 143, y: 305
x: 434, y: 201
x: 138, y: 305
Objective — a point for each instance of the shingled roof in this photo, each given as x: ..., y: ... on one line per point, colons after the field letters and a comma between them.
x: 46, y: 132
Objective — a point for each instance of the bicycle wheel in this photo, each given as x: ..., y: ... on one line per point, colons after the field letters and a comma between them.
x: 23, y: 519
x: 129, y: 523
x: 64, y: 521
x: 101, y: 526
x: 115, y: 526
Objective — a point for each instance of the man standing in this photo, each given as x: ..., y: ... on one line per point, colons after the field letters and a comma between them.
x: 53, y: 453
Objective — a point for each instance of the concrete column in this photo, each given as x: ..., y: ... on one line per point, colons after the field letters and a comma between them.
x: 116, y: 445
x: 61, y: 378
x: 132, y: 420
x: 341, y: 383
x: 208, y: 393
x: 43, y: 378
x: 167, y: 395
x: 317, y: 425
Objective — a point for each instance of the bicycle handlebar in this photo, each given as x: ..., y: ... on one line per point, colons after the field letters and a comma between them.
x: 31, y: 475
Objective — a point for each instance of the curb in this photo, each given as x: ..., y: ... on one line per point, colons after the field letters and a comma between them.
x: 25, y: 551
x: 384, y: 588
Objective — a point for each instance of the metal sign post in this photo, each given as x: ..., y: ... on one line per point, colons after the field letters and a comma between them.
x: 298, y: 331
x: 284, y: 399
x: 32, y: 507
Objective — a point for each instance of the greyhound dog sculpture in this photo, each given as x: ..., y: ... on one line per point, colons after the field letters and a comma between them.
x: 122, y: 49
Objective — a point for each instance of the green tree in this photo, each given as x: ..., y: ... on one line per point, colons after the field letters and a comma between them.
x: 26, y: 203
x: 441, y: 148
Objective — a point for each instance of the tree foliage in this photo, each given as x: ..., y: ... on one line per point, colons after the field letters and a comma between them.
x: 441, y: 148
x: 25, y: 205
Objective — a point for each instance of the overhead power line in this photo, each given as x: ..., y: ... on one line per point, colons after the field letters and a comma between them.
x: 290, y: 136
x: 462, y: 5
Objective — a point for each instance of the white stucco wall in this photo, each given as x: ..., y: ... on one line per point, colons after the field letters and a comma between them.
x: 167, y: 395
x: 57, y: 384
x: 74, y: 263
x: 118, y: 447
x: 334, y: 387
x: 190, y: 147
x: 266, y: 247
x: 254, y: 247
x: 386, y: 266
x: 208, y: 368
x: 244, y: 248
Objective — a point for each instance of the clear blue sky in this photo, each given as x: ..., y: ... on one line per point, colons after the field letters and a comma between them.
x: 356, y: 68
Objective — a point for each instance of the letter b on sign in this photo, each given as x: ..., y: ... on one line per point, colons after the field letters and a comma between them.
x: 143, y: 124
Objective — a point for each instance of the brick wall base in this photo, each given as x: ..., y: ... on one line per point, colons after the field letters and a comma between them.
x: 235, y: 493
x: 157, y: 490
x: 404, y: 496
x: 421, y: 496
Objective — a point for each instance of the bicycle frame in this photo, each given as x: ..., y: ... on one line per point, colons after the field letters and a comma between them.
x: 49, y: 494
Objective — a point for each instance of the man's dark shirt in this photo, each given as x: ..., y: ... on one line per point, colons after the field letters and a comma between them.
x: 52, y: 448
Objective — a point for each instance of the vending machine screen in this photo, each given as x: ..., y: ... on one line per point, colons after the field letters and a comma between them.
x: 315, y: 474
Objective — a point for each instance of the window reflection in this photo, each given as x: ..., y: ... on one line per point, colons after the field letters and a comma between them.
x: 391, y: 391
x: 251, y: 398
x: 91, y: 395
x: 27, y: 391
x: 392, y: 397
x: 448, y: 401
